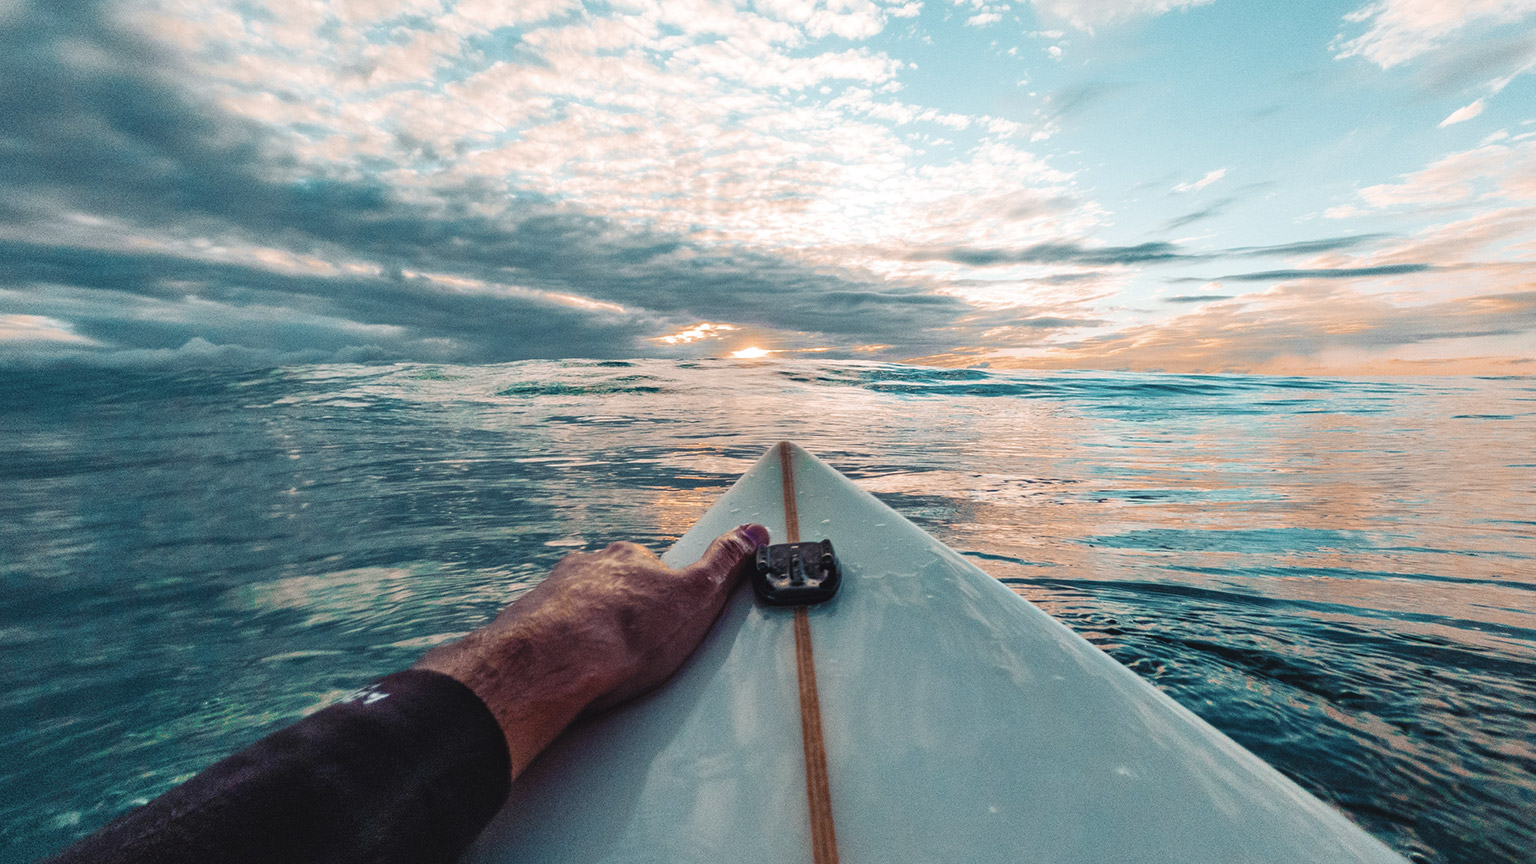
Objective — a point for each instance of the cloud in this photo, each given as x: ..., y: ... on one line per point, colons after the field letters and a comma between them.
x: 1074, y: 100
x: 1056, y: 323
x: 171, y: 224
x: 465, y: 180
x: 1498, y: 170
x: 694, y: 117
x: 1215, y: 208
x: 1088, y: 14
x: 1156, y: 252
x: 1485, y: 61
x: 1209, y: 178
x: 1196, y: 298
x: 1316, y: 273
x: 1466, y: 112
x: 485, y: 16
x: 1398, y: 31
x: 39, y: 328
x: 1501, y: 238
x: 1307, y: 327
x: 121, y: 301
x: 849, y: 19
x: 1053, y: 253
x: 698, y: 332
x: 1305, y: 247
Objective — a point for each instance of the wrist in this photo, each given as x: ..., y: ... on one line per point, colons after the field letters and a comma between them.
x: 532, y: 694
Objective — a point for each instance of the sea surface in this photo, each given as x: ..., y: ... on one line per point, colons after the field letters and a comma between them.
x: 1338, y: 573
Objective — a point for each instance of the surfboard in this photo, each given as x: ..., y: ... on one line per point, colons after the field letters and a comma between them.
x: 956, y: 722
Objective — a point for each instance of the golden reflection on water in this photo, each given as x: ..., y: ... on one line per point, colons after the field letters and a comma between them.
x: 1286, y: 497
x: 675, y: 510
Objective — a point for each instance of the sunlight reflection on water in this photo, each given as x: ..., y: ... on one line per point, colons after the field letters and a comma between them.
x: 1337, y: 573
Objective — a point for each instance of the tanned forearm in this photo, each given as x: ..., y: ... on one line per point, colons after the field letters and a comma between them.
x: 411, y: 768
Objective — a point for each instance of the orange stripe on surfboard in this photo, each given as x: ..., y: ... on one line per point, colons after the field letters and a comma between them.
x: 818, y: 790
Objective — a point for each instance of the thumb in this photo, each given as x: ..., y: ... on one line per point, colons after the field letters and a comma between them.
x: 730, y: 549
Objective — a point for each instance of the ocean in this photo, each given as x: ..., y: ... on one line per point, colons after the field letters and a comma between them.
x: 1340, y: 574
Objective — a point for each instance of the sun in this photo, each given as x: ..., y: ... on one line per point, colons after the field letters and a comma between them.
x: 751, y: 353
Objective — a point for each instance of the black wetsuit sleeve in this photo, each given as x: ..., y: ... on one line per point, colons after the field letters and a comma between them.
x: 409, y: 769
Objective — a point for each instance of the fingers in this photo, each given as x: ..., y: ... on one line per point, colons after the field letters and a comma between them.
x: 729, y: 550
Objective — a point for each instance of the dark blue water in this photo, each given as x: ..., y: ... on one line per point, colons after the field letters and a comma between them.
x: 1340, y: 574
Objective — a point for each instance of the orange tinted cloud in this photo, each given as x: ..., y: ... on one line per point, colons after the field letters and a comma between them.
x: 1308, y: 327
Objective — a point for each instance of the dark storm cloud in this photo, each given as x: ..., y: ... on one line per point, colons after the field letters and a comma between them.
x: 96, y: 121
x: 161, y: 302
x: 89, y: 115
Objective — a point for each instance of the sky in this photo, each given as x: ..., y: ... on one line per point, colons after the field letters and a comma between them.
x: 1151, y: 185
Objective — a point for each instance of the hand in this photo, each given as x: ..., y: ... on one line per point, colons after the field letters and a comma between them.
x: 604, y: 628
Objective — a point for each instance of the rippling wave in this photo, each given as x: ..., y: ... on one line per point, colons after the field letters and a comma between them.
x: 1337, y: 573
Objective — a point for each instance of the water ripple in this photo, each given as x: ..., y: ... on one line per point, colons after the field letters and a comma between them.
x: 1335, y: 572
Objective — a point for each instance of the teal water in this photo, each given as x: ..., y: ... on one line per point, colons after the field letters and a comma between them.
x: 1337, y: 573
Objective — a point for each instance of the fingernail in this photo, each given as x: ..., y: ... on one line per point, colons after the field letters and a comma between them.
x: 755, y: 533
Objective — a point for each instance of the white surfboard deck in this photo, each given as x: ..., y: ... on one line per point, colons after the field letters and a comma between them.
x: 962, y: 724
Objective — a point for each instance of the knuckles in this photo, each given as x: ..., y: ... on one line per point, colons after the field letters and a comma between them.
x: 627, y: 551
